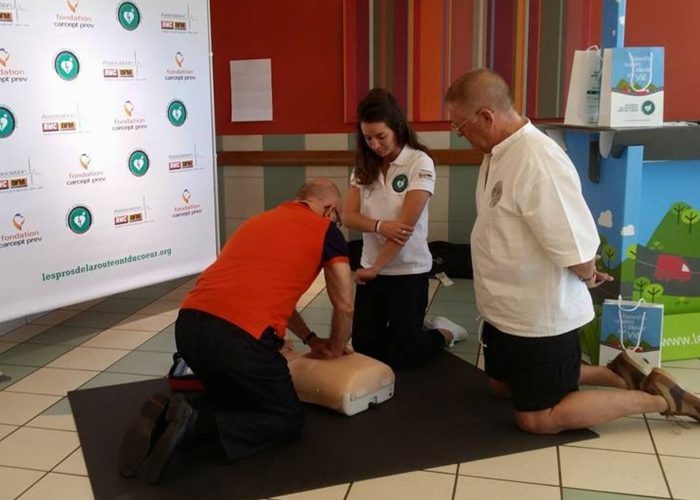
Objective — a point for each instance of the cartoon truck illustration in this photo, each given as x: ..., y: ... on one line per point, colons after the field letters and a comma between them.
x: 672, y: 268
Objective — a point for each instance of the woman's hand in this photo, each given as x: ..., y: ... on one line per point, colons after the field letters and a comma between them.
x: 395, y: 231
x: 362, y: 276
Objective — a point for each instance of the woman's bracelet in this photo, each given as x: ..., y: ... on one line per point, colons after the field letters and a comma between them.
x: 377, y: 225
x: 586, y: 280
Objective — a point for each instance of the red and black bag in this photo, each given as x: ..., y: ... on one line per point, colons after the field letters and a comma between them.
x: 181, y: 377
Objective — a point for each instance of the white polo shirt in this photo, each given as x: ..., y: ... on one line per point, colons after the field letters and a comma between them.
x: 532, y: 223
x: 382, y: 200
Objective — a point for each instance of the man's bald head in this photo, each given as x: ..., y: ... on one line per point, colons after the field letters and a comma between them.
x: 480, y: 88
x: 321, y: 190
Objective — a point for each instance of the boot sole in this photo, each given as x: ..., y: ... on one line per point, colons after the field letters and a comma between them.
x: 179, y: 414
x: 136, y: 442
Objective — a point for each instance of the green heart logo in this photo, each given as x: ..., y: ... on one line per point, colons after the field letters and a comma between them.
x: 648, y: 107
x: 79, y: 219
x: 129, y: 16
x: 139, y: 163
x: 66, y: 65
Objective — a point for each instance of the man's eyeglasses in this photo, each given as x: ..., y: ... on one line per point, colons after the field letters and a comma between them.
x: 455, y: 128
x: 337, y: 221
x: 336, y: 216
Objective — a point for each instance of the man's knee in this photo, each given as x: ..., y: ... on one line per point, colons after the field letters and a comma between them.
x: 538, y: 422
x: 499, y: 389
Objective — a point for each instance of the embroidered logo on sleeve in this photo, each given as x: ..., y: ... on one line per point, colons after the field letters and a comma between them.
x: 496, y: 193
x: 425, y: 174
x: 400, y: 183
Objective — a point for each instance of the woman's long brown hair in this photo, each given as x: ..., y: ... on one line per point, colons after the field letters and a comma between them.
x: 380, y: 106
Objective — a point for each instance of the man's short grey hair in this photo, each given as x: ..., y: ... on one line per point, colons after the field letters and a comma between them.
x: 478, y: 89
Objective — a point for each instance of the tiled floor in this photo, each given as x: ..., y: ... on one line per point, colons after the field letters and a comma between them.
x: 129, y: 337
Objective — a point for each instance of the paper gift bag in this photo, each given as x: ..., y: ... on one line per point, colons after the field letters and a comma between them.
x: 583, y: 99
x: 632, y: 87
x: 633, y: 325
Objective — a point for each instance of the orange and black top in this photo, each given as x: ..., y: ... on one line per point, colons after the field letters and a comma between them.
x: 268, y: 263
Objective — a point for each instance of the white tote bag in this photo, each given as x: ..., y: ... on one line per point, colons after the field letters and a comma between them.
x: 583, y: 99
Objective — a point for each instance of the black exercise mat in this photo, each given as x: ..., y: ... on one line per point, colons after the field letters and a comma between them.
x: 441, y: 414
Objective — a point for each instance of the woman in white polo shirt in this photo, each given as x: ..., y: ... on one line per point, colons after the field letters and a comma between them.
x: 390, y: 187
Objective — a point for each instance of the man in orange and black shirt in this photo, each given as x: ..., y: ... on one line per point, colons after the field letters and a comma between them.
x: 231, y: 327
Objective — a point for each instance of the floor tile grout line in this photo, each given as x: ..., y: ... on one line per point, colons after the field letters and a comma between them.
x: 658, y: 457
x: 517, y: 481
x: 454, y: 486
x: 580, y: 447
x: 33, y: 484
x: 347, y: 492
x: 66, y: 458
x: 560, y: 475
x: 29, y: 426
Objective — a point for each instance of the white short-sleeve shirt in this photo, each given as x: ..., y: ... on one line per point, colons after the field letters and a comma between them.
x: 382, y: 200
x: 532, y: 224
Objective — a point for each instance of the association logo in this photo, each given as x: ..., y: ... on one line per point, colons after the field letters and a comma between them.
x: 9, y: 72
x: 79, y: 219
x: 66, y: 65
x: 73, y: 20
x: 139, y: 163
x: 177, y: 113
x: 133, y: 215
x: 8, y: 124
x: 18, y: 235
x: 179, y: 71
x: 184, y: 162
x: 20, y: 179
x: 122, y: 69
x: 68, y: 122
x: 12, y: 13
x: 648, y: 107
x: 400, y: 183
x: 177, y: 21
x: 83, y: 175
x: 187, y: 208
x: 128, y: 15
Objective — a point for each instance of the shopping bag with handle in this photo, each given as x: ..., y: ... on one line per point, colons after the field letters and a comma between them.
x: 633, y: 325
x: 583, y: 99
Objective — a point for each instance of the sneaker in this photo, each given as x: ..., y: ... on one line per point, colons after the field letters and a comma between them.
x: 680, y: 401
x: 142, y: 435
x: 179, y: 419
x: 458, y: 333
x: 427, y: 323
x: 632, y: 368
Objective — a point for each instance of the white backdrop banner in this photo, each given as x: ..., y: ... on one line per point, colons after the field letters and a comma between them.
x: 106, y: 148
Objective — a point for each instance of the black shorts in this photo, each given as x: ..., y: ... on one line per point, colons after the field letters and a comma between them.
x: 539, y: 371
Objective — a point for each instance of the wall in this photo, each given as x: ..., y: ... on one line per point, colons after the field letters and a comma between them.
x: 248, y: 190
x: 304, y: 38
x: 673, y: 25
x: 305, y: 41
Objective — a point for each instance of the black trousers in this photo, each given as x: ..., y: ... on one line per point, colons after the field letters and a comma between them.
x: 388, y: 321
x: 248, y: 386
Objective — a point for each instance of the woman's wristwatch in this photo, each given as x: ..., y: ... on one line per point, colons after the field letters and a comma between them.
x: 309, y: 338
